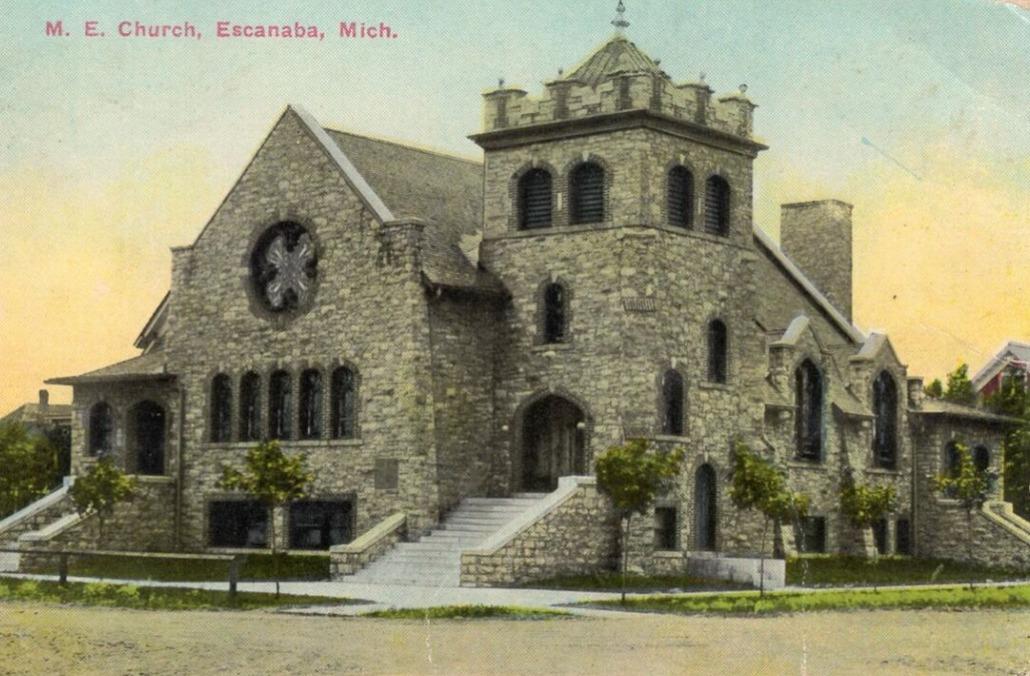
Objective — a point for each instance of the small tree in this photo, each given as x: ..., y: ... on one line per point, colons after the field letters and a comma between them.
x: 864, y: 505
x: 960, y: 387
x: 759, y: 485
x: 274, y: 479
x: 632, y: 475
x: 28, y: 463
x: 99, y: 490
x: 1013, y: 399
x: 969, y: 487
x: 935, y: 389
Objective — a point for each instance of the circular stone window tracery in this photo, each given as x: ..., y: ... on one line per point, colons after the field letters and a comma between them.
x: 283, y: 267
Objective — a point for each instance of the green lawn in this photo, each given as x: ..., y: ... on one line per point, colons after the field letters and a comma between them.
x: 1017, y: 597
x: 148, y: 598
x: 469, y: 612
x: 255, y: 567
x: 612, y: 581
x: 842, y: 570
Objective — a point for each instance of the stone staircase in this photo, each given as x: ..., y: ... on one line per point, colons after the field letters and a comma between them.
x: 36, y: 516
x: 435, y: 560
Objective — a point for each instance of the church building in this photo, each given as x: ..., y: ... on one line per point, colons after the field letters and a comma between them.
x: 452, y: 343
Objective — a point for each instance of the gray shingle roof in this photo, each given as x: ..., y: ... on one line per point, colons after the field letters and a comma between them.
x: 946, y: 408
x: 614, y: 57
x: 444, y: 191
x: 150, y: 366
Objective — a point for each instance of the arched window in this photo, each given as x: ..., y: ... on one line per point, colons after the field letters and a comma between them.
x: 311, y: 404
x: 342, y: 403
x: 885, y: 408
x: 221, y: 408
x: 717, y: 206
x: 586, y: 188
x: 147, y: 438
x: 280, y: 403
x: 672, y: 399
x: 101, y: 429
x: 717, y: 352
x: 705, y: 514
x: 952, y: 460
x: 250, y: 407
x: 808, y: 415
x: 555, y: 316
x: 535, y: 199
x: 680, y: 193
x: 981, y: 459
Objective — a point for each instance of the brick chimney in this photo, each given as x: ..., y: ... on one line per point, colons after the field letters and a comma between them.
x: 817, y: 237
x: 44, y: 399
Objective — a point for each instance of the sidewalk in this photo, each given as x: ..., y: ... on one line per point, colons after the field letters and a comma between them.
x: 388, y: 597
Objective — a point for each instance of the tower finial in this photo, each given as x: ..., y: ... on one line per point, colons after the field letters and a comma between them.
x: 620, y: 22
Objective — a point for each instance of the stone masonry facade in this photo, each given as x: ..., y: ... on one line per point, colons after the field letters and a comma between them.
x: 417, y: 273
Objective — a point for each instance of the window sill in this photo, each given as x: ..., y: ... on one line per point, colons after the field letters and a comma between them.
x: 286, y: 443
x: 673, y: 438
x: 798, y: 463
x: 667, y: 554
x: 552, y: 347
x: 884, y: 471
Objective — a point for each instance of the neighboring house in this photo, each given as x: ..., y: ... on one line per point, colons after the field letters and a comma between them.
x: 54, y: 420
x: 429, y: 329
x: 1011, y: 361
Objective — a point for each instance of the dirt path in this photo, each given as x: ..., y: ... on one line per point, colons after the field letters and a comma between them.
x: 38, y: 639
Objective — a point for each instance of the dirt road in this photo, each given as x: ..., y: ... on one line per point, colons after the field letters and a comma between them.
x: 38, y: 639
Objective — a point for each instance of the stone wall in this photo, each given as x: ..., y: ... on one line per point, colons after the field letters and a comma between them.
x: 578, y: 535
x: 144, y: 524
x: 368, y: 312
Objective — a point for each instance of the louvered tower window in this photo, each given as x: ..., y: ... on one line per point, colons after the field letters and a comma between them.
x: 672, y: 400
x: 587, y: 194
x: 717, y: 206
x: 717, y: 352
x: 681, y: 197
x: 535, y: 199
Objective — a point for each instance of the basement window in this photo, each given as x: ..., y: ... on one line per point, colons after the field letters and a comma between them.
x: 237, y: 523
x: 320, y: 524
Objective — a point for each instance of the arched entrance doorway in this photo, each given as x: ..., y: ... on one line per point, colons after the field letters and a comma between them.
x: 148, y: 438
x: 705, y: 517
x: 553, y: 443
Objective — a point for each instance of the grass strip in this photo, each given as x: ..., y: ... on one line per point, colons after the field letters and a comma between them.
x: 148, y: 598
x: 256, y: 567
x: 468, y: 612
x: 1016, y: 597
x: 612, y: 581
x: 845, y: 570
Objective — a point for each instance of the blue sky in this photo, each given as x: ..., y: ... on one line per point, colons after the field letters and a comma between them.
x: 126, y: 146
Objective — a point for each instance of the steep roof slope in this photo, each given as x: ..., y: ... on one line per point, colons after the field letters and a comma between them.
x: 617, y: 56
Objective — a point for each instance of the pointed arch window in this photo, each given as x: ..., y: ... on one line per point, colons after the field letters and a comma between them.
x: 672, y: 400
x: 555, y: 319
x: 808, y: 416
x: 534, y: 205
x: 280, y: 403
x: 717, y: 352
x: 586, y: 188
x: 680, y: 193
x: 250, y: 407
x: 101, y: 429
x: 717, y: 206
x: 221, y: 409
x: 311, y: 404
x: 885, y: 408
x: 342, y: 403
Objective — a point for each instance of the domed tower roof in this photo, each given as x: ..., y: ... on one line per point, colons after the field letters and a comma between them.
x: 618, y: 56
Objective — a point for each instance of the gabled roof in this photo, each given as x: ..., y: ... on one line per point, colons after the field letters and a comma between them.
x: 1013, y: 351
x: 873, y: 345
x: 794, y: 272
x: 33, y: 412
x: 151, y: 332
x: 150, y: 366
x: 939, y: 407
x: 615, y: 57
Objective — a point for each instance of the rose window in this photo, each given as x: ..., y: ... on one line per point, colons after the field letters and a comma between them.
x: 283, y: 267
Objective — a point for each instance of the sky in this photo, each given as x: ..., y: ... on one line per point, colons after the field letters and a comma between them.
x: 113, y: 150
